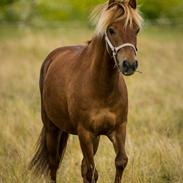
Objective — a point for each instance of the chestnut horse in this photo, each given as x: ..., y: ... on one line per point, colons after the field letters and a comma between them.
x: 84, y: 94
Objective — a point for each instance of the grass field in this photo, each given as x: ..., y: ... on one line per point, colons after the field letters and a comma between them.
x: 155, y: 128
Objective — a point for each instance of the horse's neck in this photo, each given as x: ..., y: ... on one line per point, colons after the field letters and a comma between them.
x: 105, y: 77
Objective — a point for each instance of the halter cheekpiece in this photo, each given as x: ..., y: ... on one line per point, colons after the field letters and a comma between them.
x: 115, y: 50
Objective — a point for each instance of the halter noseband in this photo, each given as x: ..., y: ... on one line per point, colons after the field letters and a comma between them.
x: 115, y: 50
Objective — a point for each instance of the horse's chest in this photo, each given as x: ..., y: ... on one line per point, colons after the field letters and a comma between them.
x: 102, y: 121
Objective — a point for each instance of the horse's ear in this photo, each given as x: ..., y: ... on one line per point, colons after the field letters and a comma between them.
x: 133, y: 4
x: 111, y: 1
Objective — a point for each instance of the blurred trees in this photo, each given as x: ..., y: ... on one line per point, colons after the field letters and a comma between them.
x: 61, y: 10
x: 6, y: 2
x: 171, y: 10
x: 16, y: 10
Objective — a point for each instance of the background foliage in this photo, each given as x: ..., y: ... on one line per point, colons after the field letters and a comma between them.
x: 170, y: 11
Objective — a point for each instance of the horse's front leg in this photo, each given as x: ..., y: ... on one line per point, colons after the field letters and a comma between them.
x: 89, y: 171
x: 118, y: 139
x: 84, y: 166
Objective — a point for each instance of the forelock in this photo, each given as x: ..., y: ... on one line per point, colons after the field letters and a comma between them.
x: 107, y: 15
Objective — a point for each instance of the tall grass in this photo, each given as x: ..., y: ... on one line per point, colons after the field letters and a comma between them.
x: 155, y: 128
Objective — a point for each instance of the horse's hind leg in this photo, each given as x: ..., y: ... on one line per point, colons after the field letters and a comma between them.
x: 51, y: 145
x: 56, y: 143
x: 52, y: 136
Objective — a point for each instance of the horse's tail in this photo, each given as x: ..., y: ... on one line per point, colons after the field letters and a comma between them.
x: 40, y: 162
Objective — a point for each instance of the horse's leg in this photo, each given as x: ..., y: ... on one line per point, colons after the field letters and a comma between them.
x: 86, y: 143
x: 118, y: 140
x: 84, y: 166
x: 56, y: 142
x: 52, y: 136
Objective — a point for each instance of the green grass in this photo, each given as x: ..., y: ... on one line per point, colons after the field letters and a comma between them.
x: 155, y: 128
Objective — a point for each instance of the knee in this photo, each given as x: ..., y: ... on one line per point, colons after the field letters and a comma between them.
x: 121, y: 162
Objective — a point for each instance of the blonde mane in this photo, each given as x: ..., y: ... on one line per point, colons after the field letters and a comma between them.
x: 103, y: 16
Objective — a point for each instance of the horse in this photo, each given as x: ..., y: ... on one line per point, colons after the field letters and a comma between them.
x: 83, y: 92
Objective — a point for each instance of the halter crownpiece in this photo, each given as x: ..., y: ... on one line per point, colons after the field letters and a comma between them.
x: 115, y: 50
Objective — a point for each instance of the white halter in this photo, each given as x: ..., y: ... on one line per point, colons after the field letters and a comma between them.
x: 115, y: 50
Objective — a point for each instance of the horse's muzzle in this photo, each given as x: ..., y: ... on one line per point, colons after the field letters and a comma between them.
x: 128, y: 68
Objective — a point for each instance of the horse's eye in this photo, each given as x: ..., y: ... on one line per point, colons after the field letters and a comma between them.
x: 111, y: 30
x: 138, y: 30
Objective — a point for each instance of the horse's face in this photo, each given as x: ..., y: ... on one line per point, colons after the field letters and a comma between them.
x: 125, y: 36
x: 126, y: 56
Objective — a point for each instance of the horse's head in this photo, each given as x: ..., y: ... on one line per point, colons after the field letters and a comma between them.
x: 120, y: 23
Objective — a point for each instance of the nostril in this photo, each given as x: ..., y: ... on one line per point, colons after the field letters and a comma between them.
x: 135, y: 65
x: 125, y: 64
